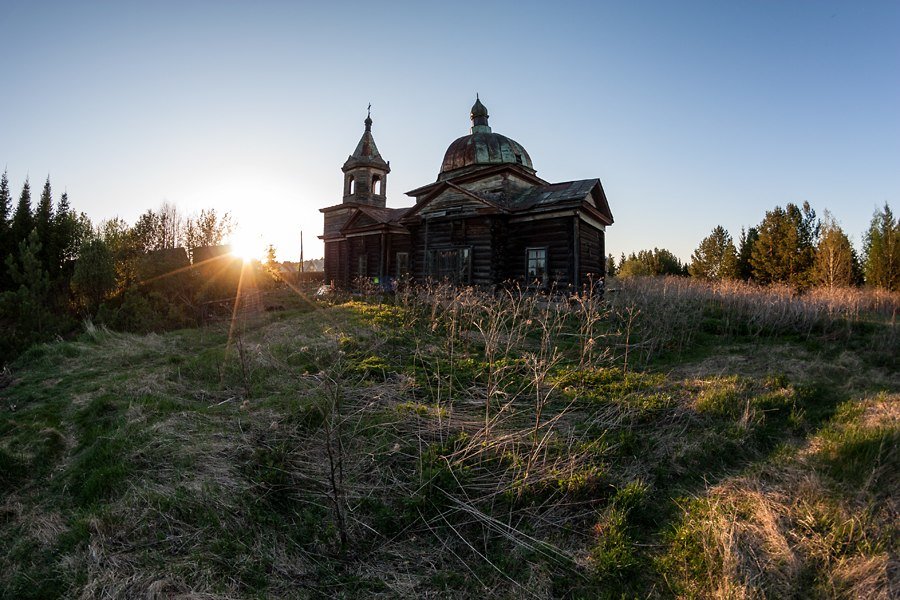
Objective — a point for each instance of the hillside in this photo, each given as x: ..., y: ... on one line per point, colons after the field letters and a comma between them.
x: 675, y: 439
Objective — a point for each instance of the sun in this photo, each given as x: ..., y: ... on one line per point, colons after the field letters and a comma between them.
x: 247, y: 247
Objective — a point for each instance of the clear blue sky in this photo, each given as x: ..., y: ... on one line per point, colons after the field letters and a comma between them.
x: 692, y: 114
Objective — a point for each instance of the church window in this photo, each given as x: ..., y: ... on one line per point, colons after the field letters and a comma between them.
x: 451, y: 264
x: 362, y: 265
x: 536, y: 267
x: 376, y: 185
x: 351, y: 185
x: 518, y: 159
x: 402, y: 264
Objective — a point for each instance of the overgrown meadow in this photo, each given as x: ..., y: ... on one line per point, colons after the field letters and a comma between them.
x: 671, y: 438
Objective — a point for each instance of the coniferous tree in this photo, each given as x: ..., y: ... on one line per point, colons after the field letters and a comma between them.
x: 25, y: 307
x: 745, y: 251
x: 610, y: 266
x: 715, y: 257
x: 23, y: 220
x: 44, y: 225
x: 64, y: 232
x: 785, y: 249
x: 882, y: 251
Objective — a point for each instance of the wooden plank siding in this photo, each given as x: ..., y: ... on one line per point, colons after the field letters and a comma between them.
x: 593, y: 253
x: 554, y: 234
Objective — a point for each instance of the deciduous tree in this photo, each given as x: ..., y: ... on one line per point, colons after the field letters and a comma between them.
x: 836, y: 263
x: 651, y: 262
x: 6, y: 243
x: 95, y: 275
x: 207, y: 229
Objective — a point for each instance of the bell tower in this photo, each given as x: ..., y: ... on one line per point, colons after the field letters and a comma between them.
x: 365, y: 172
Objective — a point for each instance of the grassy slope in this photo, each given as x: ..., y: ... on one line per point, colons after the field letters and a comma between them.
x: 342, y: 451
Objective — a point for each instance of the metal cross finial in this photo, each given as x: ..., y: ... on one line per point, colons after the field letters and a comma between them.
x: 369, y: 110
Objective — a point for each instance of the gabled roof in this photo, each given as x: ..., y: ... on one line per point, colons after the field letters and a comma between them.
x: 556, y: 195
x: 381, y: 217
x: 476, y: 173
x: 491, y: 205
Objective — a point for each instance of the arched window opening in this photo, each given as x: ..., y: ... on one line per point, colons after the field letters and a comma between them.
x: 351, y: 186
x: 376, y: 185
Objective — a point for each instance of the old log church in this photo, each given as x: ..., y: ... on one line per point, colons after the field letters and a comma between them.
x: 487, y: 220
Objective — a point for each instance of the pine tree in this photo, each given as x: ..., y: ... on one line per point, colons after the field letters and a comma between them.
x: 43, y: 224
x: 25, y: 307
x: 835, y: 264
x: 715, y: 257
x: 23, y: 220
x: 882, y: 251
x: 785, y: 249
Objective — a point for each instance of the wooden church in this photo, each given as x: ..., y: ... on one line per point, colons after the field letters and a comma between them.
x: 487, y: 220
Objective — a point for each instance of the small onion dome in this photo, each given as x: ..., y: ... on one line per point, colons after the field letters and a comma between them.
x: 479, y: 110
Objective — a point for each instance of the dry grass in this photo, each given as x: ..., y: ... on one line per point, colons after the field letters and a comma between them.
x: 456, y: 443
x: 787, y: 528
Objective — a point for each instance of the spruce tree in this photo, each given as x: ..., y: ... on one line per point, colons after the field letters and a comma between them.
x: 43, y: 224
x: 882, y: 251
x: 23, y: 220
x: 64, y: 227
x: 745, y: 250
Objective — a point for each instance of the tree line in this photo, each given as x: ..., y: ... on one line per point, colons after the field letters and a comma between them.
x: 792, y: 246
x: 59, y: 268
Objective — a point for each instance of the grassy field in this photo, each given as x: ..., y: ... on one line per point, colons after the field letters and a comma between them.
x: 677, y: 439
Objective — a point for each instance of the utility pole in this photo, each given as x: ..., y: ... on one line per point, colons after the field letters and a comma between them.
x: 301, y: 251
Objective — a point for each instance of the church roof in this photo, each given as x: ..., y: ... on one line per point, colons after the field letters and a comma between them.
x: 482, y: 147
x: 383, y: 215
x: 556, y: 195
x: 366, y: 153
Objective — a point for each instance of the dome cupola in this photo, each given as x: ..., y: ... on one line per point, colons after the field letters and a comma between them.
x: 482, y: 147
